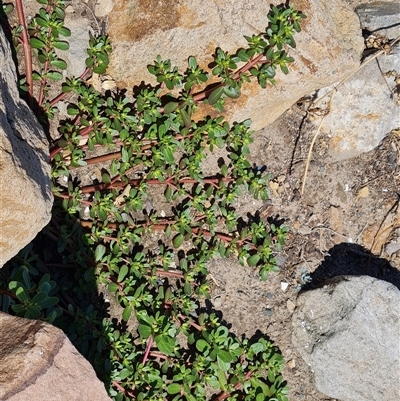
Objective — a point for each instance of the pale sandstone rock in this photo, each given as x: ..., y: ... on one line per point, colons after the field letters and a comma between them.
x: 103, y: 7
x: 38, y: 363
x: 25, y: 195
x: 328, y: 48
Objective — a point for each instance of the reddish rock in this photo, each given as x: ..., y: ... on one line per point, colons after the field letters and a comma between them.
x: 38, y: 363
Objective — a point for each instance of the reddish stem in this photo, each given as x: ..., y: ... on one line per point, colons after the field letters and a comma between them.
x: 45, y: 69
x: 122, y: 390
x: 162, y: 227
x: 193, y: 324
x: 43, y: 85
x: 225, y: 394
x: 84, y: 132
x: 9, y: 293
x: 202, y: 95
x: 247, y: 66
x: 120, y: 185
x: 61, y: 96
x: 158, y: 355
x: 149, y: 345
x: 27, y: 51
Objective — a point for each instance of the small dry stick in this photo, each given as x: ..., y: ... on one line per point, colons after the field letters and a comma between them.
x: 330, y: 102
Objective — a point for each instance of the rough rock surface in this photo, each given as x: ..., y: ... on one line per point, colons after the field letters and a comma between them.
x: 103, y: 7
x: 381, y: 17
x: 76, y: 55
x: 38, y: 362
x: 364, y: 109
x: 328, y: 48
x: 25, y: 195
x: 348, y: 333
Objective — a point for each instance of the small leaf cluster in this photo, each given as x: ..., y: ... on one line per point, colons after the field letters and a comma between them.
x: 28, y: 294
x: 46, y: 32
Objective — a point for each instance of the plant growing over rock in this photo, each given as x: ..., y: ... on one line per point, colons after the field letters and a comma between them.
x: 108, y: 232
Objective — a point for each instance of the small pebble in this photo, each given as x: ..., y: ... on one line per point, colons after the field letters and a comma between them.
x: 103, y: 7
x: 284, y: 285
x: 267, y: 312
x: 304, y: 230
x: 292, y: 364
x: 290, y: 305
x: 218, y: 301
x: 280, y: 260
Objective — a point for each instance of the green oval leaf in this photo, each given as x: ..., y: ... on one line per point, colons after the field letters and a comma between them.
x: 36, y: 76
x: 215, y: 95
x: 99, y: 252
x: 113, y: 287
x: 224, y: 355
x: 37, y: 44
x: 124, y: 374
x: 54, y: 75
x: 126, y: 314
x: 174, y: 388
x: 202, y: 345
x: 186, y: 118
x: 49, y: 301
x: 192, y: 62
x: 122, y: 273
x: 224, y: 170
x: 144, y: 331
x: 177, y: 242
x: 61, y: 45
x: 168, y: 193
x: 21, y: 294
x: 170, y: 107
x: 61, y: 64
x: 64, y: 31
x: 168, y: 155
x: 231, y: 92
x: 253, y: 260
x: 106, y: 178
x: 165, y: 344
x: 224, y: 366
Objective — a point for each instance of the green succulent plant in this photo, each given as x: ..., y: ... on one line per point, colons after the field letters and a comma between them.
x: 98, y: 231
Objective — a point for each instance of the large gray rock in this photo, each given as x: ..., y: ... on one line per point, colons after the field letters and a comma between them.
x: 364, y: 109
x: 38, y: 363
x: 25, y: 195
x: 348, y: 333
x: 328, y: 48
x: 381, y: 17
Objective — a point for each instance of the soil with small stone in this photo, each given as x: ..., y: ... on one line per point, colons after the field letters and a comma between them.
x: 347, y: 221
x: 347, y: 210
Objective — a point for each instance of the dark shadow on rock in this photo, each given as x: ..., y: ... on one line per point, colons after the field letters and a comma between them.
x: 348, y: 259
x: 24, y: 152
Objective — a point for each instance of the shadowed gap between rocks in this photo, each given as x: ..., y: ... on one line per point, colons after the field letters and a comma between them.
x: 347, y: 259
